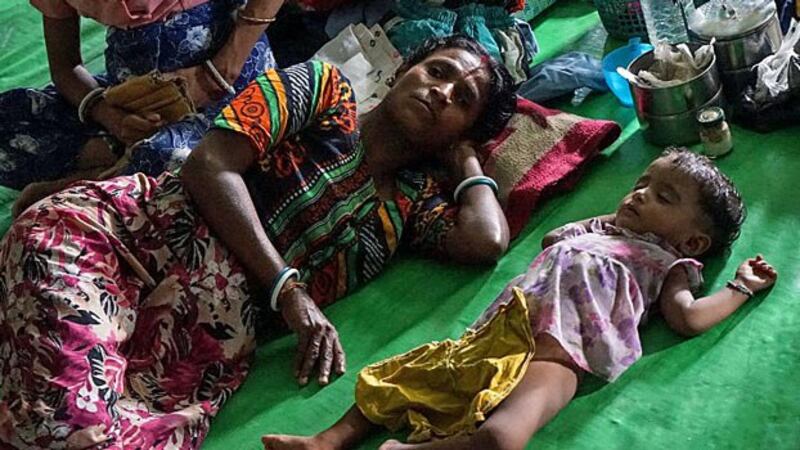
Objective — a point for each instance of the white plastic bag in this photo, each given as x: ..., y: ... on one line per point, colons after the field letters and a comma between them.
x: 777, y: 75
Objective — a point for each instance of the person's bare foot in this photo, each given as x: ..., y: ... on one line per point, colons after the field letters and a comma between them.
x: 286, y: 442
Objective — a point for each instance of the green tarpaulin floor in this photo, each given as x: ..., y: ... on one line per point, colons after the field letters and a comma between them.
x: 734, y: 387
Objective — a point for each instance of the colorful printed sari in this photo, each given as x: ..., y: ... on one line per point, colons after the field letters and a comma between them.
x: 126, y: 323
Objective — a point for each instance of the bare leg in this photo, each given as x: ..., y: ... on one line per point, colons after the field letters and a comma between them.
x: 352, y: 428
x: 547, y: 387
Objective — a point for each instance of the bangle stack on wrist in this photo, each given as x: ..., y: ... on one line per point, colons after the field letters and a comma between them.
x: 474, y: 181
x: 738, y: 286
x: 88, y: 102
x: 278, y: 284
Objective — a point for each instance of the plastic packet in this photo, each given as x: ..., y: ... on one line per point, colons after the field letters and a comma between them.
x: 774, y: 100
x: 779, y: 74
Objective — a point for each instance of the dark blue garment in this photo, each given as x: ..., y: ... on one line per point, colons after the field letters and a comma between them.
x: 786, y: 12
x: 562, y: 75
x: 40, y: 135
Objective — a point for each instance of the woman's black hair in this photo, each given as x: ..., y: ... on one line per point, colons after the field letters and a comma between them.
x: 501, y: 102
x: 720, y: 201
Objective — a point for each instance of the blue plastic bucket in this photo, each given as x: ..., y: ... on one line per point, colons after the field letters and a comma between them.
x: 622, y: 57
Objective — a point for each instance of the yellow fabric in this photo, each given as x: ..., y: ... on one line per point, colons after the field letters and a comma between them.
x: 447, y: 388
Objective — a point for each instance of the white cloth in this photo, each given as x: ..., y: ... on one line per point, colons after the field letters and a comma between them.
x: 367, y: 58
x: 674, y: 65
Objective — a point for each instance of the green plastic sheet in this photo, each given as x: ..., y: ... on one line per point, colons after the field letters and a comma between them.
x: 735, y: 387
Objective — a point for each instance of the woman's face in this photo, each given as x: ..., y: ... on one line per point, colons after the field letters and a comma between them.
x: 437, y: 100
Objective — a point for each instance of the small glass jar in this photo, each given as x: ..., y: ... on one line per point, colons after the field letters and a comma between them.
x: 714, y: 132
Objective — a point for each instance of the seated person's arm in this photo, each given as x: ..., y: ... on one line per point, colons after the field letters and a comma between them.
x: 554, y: 235
x: 689, y: 316
x: 63, y: 44
x: 73, y: 81
x: 252, y: 21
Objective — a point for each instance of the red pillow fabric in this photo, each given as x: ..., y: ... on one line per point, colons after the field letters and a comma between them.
x: 540, y: 151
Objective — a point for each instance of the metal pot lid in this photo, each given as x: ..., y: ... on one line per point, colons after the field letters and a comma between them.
x: 730, y: 19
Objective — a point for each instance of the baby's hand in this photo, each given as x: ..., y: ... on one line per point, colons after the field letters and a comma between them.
x: 756, y: 273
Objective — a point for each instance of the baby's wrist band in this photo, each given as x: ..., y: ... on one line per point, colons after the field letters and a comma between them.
x: 738, y: 286
x: 474, y: 181
x: 278, y: 284
x: 88, y: 102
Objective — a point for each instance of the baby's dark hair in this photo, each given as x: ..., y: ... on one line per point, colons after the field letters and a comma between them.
x: 720, y: 201
x: 501, y: 102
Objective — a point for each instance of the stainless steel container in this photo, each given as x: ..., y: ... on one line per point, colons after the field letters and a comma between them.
x: 676, y: 129
x: 737, y: 54
x: 745, y: 49
x: 667, y: 115
x: 676, y: 99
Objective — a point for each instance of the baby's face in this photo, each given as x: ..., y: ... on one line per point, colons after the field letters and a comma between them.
x: 664, y: 202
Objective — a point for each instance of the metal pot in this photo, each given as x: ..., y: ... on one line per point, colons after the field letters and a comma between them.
x: 675, y: 99
x: 745, y: 49
x: 676, y: 129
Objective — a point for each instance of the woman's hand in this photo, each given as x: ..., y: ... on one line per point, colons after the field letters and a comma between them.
x: 126, y: 126
x: 462, y: 161
x: 318, y: 342
x: 757, y: 274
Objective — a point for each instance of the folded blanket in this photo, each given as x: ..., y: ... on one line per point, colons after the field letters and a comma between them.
x: 539, y: 151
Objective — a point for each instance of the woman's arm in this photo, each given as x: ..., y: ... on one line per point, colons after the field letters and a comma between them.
x: 230, y: 59
x: 551, y: 237
x: 480, y: 234
x: 73, y: 81
x: 63, y: 44
x: 213, y: 177
x: 690, y: 316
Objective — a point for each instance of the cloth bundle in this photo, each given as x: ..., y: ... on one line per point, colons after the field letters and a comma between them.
x: 509, y: 41
x: 153, y: 92
x: 562, y: 75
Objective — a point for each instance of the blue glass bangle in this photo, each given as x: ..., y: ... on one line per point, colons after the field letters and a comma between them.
x: 474, y: 181
x: 278, y: 282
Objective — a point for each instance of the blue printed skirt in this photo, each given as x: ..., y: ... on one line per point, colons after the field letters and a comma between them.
x: 41, y: 136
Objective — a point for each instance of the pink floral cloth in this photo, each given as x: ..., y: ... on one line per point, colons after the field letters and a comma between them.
x: 116, y: 13
x: 593, y: 288
x: 124, y: 323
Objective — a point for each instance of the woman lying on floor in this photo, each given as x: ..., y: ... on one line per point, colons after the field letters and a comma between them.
x: 128, y: 307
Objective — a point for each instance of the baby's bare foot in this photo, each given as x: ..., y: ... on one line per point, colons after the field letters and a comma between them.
x: 285, y: 442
